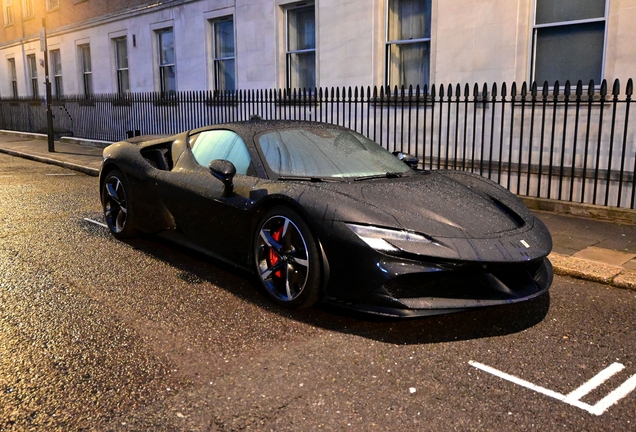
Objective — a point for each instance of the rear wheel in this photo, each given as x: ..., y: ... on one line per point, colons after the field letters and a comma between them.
x: 287, y: 259
x: 118, y: 211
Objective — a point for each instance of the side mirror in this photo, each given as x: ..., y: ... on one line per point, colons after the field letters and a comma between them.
x: 408, y: 159
x: 224, y: 170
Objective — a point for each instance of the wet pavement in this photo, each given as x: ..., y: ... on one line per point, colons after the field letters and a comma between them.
x: 99, y: 334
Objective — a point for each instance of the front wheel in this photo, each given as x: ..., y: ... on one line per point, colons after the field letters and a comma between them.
x: 118, y: 211
x: 287, y: 260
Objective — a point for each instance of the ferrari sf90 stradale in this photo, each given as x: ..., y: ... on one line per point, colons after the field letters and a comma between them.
x: 320, y: 213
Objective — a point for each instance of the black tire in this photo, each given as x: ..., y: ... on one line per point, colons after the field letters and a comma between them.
x: 118, y: 210
x: 286, y: 259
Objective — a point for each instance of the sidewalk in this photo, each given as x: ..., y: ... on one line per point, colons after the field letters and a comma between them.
x: 584, y: 247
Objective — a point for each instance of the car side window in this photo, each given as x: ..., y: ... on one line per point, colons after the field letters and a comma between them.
x: 221, y: 144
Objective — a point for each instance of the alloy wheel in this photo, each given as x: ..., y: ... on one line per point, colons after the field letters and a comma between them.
x: 115, y: 205
x: 282, y: 258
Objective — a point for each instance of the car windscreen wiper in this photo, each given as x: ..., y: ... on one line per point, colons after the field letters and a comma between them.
x: 306, y: 178
x: 377, y: 176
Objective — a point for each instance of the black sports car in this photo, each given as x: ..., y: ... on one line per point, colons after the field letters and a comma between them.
x: 320, y: 213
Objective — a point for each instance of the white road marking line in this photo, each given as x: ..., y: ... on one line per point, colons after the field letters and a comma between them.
x: 517, y: 381
x: 616, y: 395
x: 599, y: 408
x: 95, y: 222
x: 599, y: 379
x: 69, y: 174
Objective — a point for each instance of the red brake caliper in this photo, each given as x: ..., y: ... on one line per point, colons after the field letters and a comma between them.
x: 273, y: 256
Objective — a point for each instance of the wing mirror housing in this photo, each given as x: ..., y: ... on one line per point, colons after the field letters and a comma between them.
x: 224, y: 170
x: 408, y: 159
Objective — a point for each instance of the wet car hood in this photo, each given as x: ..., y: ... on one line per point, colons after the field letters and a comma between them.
x: 439, y: 204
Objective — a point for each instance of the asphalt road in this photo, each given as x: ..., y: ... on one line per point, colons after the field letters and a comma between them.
x: 105, y: 335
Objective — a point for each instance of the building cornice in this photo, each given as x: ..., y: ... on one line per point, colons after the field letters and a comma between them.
x: 101, y: 20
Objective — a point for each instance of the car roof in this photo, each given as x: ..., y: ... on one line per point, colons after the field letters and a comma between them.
x: 257, y: 126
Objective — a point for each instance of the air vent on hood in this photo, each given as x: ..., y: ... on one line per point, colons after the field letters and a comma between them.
x: 518, y: 220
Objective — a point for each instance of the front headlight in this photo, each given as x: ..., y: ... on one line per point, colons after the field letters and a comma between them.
x: 377, y: 237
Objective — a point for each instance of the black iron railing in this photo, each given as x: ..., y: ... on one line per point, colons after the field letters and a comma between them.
x: 571, y: 143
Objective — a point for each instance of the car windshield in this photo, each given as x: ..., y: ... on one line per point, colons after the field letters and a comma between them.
x: 327, y: 153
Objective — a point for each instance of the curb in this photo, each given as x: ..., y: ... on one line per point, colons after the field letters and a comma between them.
x: 75, y: 167
x: 85, y: 142
x: 590, y: 211
x: 578, y: 268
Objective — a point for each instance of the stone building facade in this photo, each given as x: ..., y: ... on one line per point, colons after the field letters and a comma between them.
x: 98, y: 46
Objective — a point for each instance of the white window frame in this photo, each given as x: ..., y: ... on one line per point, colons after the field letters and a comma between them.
x: 120, y: 70
x: 289, y: 52
x: 28, y: 9
x: 7, y: 6
x: 536, y: 27
x: 13, y: 72
x: 52, y: 5
x: 58, y: 83
x: 86, y: 74
x: 32, y: 70
x: 163, y: 66
x: 216, y: 59
x: 390, y: 42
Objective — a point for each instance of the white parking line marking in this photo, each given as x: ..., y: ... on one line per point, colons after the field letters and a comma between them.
x: 616, y: 395
x: 599, y: 379
x: 573, y: 398
x: 95, y: 222
x: 69, y: 174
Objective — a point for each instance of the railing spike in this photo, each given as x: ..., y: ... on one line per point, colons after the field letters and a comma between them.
x: 567, y: 89
x: 616, y: 88
x: 604, y: 88
x: 591, y: 88
x: 493, y: 90
x: 504, y: 90
x: 629, y: 90
x: 579, y: 88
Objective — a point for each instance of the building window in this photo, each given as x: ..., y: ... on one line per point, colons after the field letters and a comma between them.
x: 52, y: 4
x: 28, y: 9
x: 14, y: 77
x: 8, y: 12
x: 223, y: 43
x: 301, y: 47
x: 32, y: 65
x: 167, y: 67
x: 568, y: 40
x: 56, y: 73
x: 86, y: 68
x: 121, y: 64
x: 408, y: 43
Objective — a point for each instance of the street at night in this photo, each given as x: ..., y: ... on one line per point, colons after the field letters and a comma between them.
x: 142, y: 335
